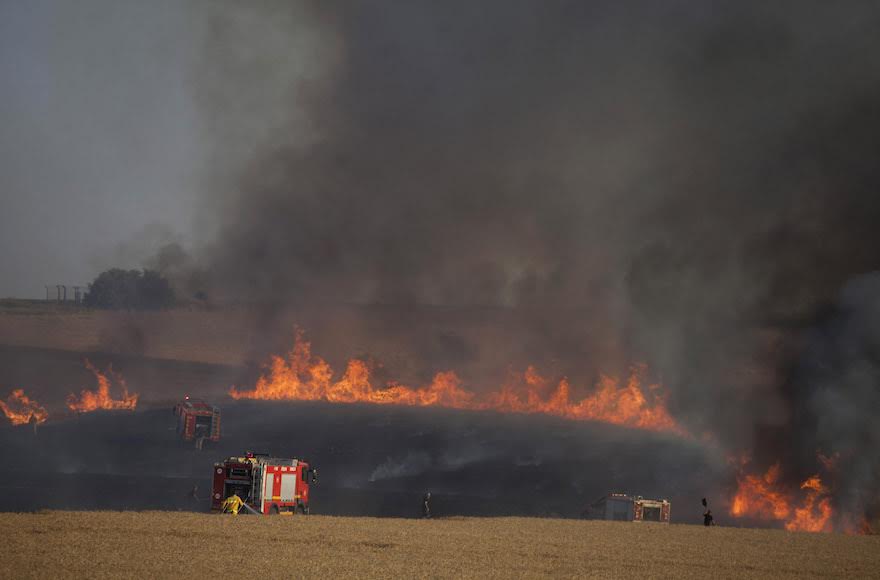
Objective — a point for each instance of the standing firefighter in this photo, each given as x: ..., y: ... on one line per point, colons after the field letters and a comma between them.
x: 708, y: 520
x: 426, y: 505
x: 232, y: 504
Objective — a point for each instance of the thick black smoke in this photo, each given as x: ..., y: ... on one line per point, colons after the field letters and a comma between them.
x: 836, y: 394
x: 690, y: 184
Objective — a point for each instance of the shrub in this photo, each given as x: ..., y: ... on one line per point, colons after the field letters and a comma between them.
x: 130, y: 290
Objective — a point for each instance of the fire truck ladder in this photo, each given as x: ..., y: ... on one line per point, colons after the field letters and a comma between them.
x: 256, y: 485
x: 215, y: 423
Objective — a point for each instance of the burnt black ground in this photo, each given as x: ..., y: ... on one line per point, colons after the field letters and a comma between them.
x: 372, y: 460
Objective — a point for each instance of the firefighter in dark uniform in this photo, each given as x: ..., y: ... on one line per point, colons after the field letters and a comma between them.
x: 426, y: 505
x: 708, y: 520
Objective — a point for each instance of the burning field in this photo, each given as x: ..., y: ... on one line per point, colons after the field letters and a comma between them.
x: 520, y: 255
x: 808, y: 506
x: 100, y: 399
x: 19, y: 409
x: 536, y: 434
x: 374, y: 460
x: 303, y: 376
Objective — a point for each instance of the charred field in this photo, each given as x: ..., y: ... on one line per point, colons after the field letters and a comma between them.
x: 374, y: 461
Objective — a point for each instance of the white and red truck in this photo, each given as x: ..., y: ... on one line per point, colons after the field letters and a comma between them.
x: 197, y: 421
x: 628, y: 508
x: 267, y: 485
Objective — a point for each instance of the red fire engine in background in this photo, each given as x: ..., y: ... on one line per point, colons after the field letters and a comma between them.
x: 197, y: 421
x: 267, y: 485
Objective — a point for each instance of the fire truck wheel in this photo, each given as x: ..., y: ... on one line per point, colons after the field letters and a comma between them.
x: 275, y: 509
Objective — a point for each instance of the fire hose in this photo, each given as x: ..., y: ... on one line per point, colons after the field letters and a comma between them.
x: 250, y: 509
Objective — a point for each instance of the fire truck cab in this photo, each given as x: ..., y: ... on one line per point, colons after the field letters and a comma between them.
x: 197, y: 421
x: 268, y: 485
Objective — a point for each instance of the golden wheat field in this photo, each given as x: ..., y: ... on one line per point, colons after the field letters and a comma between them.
x: 168, y: 544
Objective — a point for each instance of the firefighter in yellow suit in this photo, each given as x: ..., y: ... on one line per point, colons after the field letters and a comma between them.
x: 232, y: 504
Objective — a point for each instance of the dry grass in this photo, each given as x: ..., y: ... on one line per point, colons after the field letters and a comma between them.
x: 165, y: 544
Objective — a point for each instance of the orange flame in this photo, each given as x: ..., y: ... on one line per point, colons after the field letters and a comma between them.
x: 303, y: 376
x: 101, y: 399
x: 757, y: 496
x: 21, y: 410
x: 763, y: 497
x: 814, y: 514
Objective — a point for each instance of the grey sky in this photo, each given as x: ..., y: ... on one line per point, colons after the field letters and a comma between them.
x: 98, y: 138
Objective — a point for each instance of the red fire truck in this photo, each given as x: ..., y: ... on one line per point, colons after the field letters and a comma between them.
x: 197, y: 421
x: 268, y: 485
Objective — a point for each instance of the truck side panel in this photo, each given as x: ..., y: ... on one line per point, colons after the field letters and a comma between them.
x: 268, y: 490
x: 288, y: 487
x: 217, y: 488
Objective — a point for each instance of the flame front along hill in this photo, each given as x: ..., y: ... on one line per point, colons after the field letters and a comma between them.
x: 303, y: 376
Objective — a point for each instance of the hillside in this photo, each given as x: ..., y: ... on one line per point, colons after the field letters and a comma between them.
x: 412, y: 343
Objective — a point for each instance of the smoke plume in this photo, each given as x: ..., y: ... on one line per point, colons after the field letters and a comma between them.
x: 688, y: 185
x: 835, y: 393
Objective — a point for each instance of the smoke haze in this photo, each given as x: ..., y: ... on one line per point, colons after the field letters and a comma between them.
x: 99, y: 140
x: 685, y: 185
x: 689, y: 185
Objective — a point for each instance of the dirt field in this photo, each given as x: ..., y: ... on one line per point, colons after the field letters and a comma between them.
x: 166, y: 544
